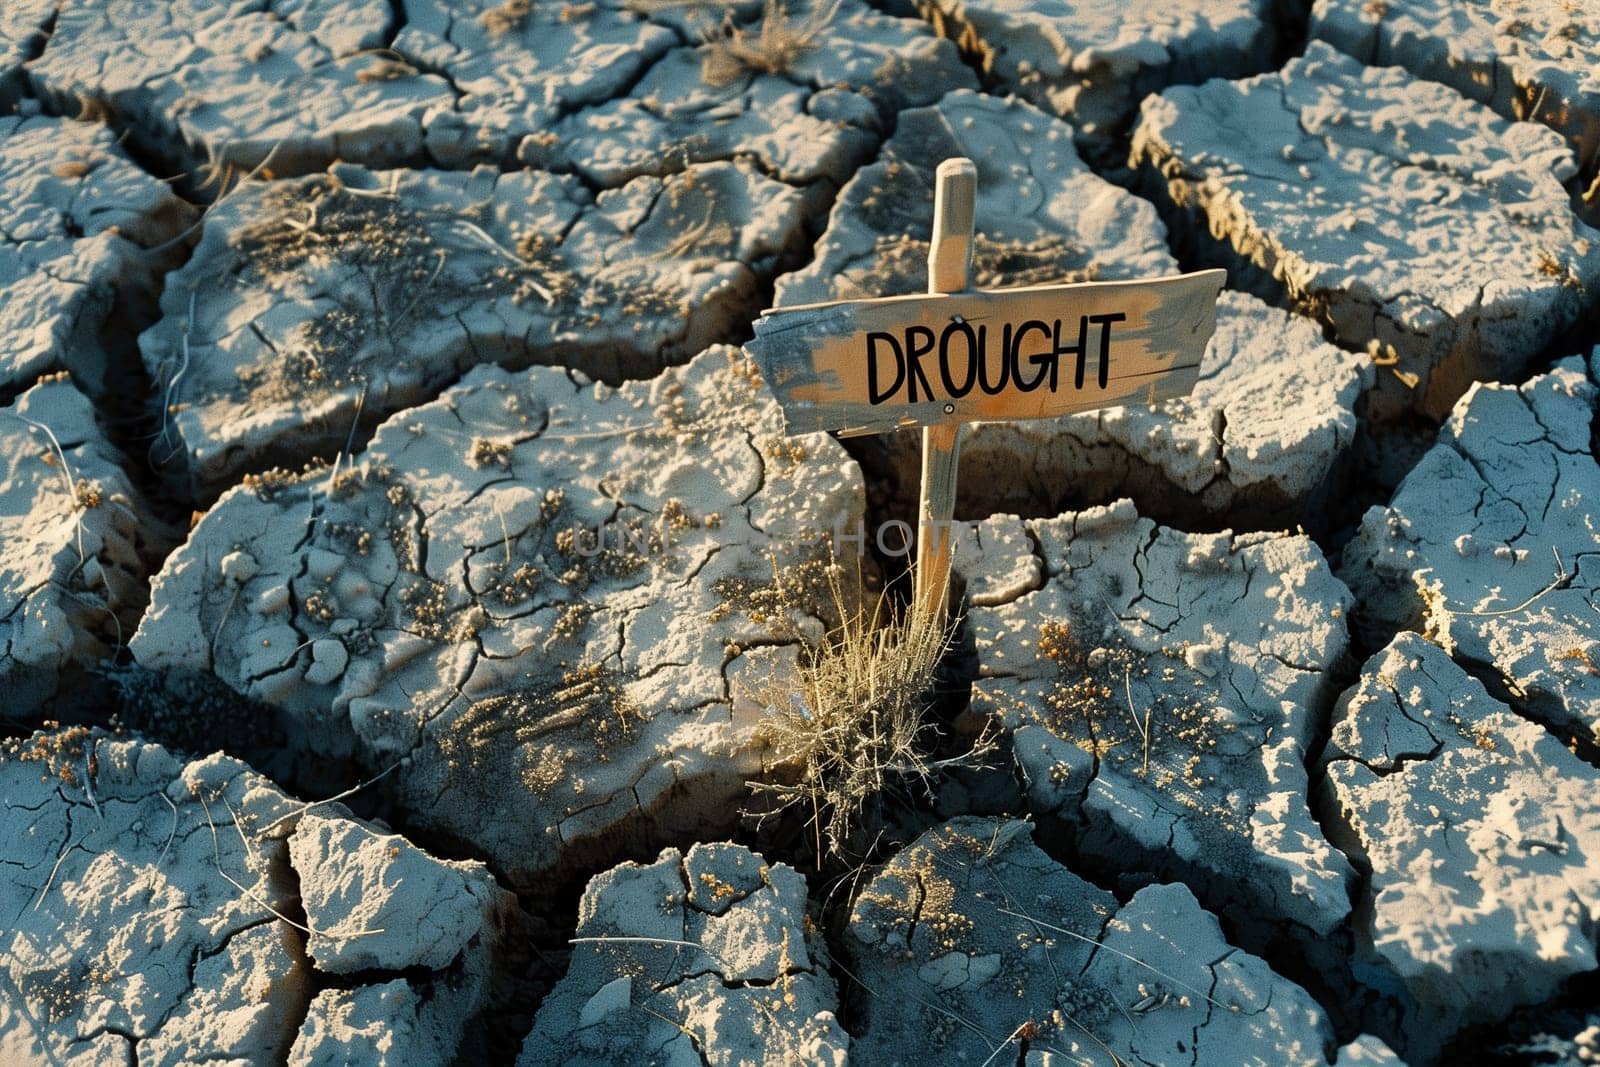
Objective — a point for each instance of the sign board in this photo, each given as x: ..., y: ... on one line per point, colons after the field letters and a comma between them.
x: 960, y: 355
x: 872, y: 366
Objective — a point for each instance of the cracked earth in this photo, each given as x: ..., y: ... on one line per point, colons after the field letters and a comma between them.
x: 402, y: 567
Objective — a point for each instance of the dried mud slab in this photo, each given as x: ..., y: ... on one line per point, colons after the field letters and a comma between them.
x: 1533, y: 59
x: 78, y: 223
x: 705, y: 957
x: 315, y: 307
x: 383, y: 1023
x: 517, y: 67
x: 1092, y: 63
x: 220, y: 88
x: 1414, y: 222
x: 534, y: 594
x: 1161, y: 689
x: 144, y: 908
x: 375, y: 903
x: 1488, y: 546
x: 1479, y: 831
x: 76, y: 538
x: 614, y: 88
x: 972, y: 942
x: 806, y: 88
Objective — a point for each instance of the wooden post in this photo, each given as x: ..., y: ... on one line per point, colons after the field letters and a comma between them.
x: 949, y: 271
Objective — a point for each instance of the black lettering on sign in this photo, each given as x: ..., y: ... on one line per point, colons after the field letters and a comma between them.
x: 875, y: 395
x: 965, y: 359
x: 1081, y: 349
x: 974, y: 357
x: 1045, y: 361
x: 919, y: 342
x: 982, y: 359
x: 1105, y: 322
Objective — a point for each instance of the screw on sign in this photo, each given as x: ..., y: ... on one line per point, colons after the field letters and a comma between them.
x: 961, y: 355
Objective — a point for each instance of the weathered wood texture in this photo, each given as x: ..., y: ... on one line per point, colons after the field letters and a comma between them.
x: 872, y: 366
x: 949, y: 271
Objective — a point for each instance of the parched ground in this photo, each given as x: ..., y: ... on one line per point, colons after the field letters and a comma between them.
x: 414, y: 613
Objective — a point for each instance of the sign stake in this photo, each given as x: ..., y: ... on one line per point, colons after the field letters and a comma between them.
x: 949, y: 271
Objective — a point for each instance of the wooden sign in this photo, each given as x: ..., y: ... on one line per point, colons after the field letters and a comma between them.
x: 873, y: 366
x: 961, y: 355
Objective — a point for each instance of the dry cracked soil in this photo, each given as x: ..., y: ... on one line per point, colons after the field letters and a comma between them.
x: 421, y: 641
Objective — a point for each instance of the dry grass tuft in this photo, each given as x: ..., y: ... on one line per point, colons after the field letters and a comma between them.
x: 850, y: 721
x: 66, y: 753
x: 735, y: 51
